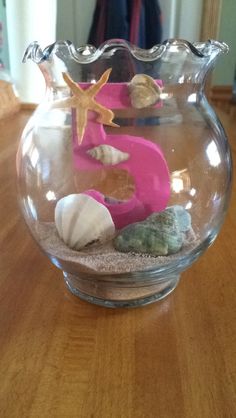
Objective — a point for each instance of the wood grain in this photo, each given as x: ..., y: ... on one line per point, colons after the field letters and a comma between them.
x: 61, y: 357
x: 211, y: 12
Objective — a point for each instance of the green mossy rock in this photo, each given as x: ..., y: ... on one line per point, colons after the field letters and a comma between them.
x: 160, y: 234
x: 183, y: 217
x: 141, y: 238
x: 176, y: 212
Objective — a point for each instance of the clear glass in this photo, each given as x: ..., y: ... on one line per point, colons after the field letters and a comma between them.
x: 174, y: 157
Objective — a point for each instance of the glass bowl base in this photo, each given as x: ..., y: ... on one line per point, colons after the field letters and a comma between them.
x: 120, y: 295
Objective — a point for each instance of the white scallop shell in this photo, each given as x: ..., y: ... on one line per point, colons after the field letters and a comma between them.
x: 108, y: 155
x: 144, y: 91
x: 81, y: 220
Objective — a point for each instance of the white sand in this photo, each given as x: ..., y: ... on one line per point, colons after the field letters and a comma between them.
x: 103, y: 258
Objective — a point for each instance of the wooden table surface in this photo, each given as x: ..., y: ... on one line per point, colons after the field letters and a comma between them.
x: 62, y: 357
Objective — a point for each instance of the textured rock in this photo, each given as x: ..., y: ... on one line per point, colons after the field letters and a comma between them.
x: 181, y: 215
x: 162, y: 233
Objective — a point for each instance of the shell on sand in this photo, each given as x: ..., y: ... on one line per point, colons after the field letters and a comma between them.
x: 159, y: 234
x: 108, y: 155
x: 81, y: 220
x: 144, y: 92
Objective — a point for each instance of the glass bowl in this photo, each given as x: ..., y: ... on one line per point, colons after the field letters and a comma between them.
x: 124, y: 170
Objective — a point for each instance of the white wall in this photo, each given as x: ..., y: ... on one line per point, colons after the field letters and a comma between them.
x: 4, y: 48
x: 74, y: 18
x: 225, y: 69
x: 190, y: 15
x: 169, y: 13
x: 28, y: 21
x: 181, y: 19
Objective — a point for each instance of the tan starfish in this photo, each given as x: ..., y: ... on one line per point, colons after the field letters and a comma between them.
x: 83, y: 100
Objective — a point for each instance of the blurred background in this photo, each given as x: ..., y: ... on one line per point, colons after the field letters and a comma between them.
x: 144, y: 22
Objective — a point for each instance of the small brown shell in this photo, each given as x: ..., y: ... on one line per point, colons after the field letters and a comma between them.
x: 144, y: 92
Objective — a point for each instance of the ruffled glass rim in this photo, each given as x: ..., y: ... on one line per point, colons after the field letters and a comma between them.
x: 88, y: 53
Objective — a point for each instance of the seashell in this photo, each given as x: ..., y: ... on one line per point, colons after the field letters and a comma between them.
x: 183, y: 218
x: 159, y: 234
x: 80, y: 220
x: 108, y: 155
x: 84, y: 100
x: 144, y: 92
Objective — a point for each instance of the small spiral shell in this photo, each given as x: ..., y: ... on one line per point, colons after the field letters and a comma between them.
x: 108, y: 155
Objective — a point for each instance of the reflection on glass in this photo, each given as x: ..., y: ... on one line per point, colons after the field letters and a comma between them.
x: 50, y: 195
x: 192, y: 98
x: 188, y: 205
x: 180, y: 181
x: 30, y: 207
x: 192, y: 192
x: 213, y: 154
x: 34, y: 157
